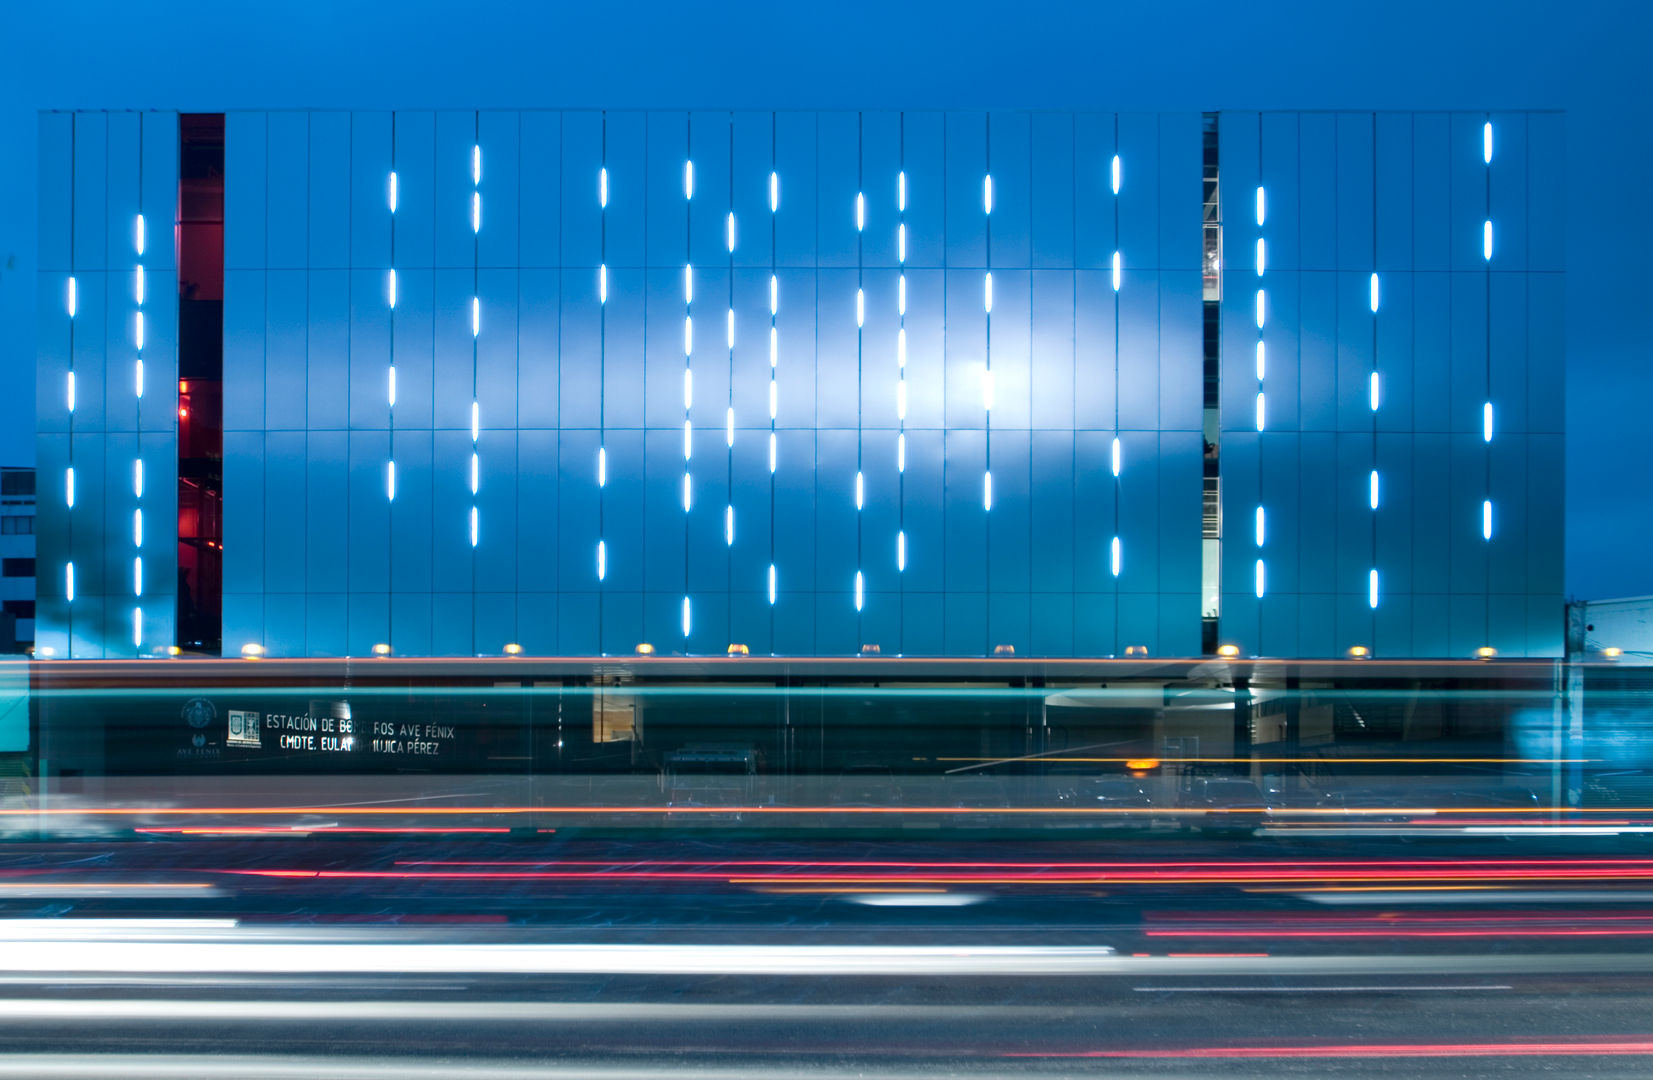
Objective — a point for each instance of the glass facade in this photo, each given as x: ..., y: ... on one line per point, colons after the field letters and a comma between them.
x: 819, y: 384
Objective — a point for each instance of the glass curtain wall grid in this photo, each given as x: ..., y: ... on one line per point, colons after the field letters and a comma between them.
x: 405, y: 341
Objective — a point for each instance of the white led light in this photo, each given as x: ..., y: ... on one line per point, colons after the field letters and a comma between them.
x: 1260, y: 410
x: 476, y: 164
x: 901, y: 399
x: 137, y: 285
x: 602, y: 284
x: 390, y: 287
x: 1261, y: 579
x: 1260, y: 309
x: 392, y: 194
x: 860, y: 211
x: 771, y: 453
x: 1262, y: 254
x: 901, y: 550
x: 987, y: 389
x: 731, y: 328
x: 901, y: 242
x: 390, y: 386
x: 688, y: 387
x: 473, y: 527
x: 729, y: 526
x: 476, y: 316
x: 987, y: 292
x: 1260, y: 359
x: 70, y: 391
x: 774, y: 294
x: 860, y: 586
x: 137, y: 330
x: 987, y: 194
x: 688, y: 335
x: 602, y: 187
x: 1374, y: 292
x: 1261, y: 526
x: 860, y: 490
x: 476, y: 211
x: 137, y: 527
x: 137, y: 377
x: 901, y: 348
x: 71, y: 298
x: 774, y: 201
x: 602, y: 466
x: 137, y: 575
x: 475, y: 472
x: 1262, y: 206
x: 901, y: 452
x: 901, y: 297
x: 1373, y: 390
x: 729, y: 427
x: 688, y: 493
x: 688, y: 283
x: 686, y: 622
x: 1113, y: 556
x: 729, y: 230
x: 901, y: 190
x: 1118, y: 268
x: 1116, y: 458
x: 138, y: 234
x: 688, y: 439
x: 1372, y: 588
x: 602, y: 560
x: 1486, y: 422
x: 771, y: 583
x: 69, y: 581
x: 390, y: 481
x: 987, y: 491
x: 1486, y: 519
x: 1116, y: 174
x: 137, y: 627
x: 688, y: 190
x: 1374, y: 489
x: 774, y: 398
x: 860, y: 308
x: 1486, y: 142
x: 1486, y: 240
x: 476, y: 420
x: 69, y: 487
x: 137, y: 477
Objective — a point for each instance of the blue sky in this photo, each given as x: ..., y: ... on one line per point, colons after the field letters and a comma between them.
x: 1586, y: 57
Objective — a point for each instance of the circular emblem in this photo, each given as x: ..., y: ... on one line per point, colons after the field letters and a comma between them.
x: 199, y: 712
x: 198, y: 740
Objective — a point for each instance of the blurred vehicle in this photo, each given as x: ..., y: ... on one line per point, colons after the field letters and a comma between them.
x: 1362, y: 806
x: 702, y: 776
x: 977, y: 801
x: 1126, y: 802
x: 1230, y: 804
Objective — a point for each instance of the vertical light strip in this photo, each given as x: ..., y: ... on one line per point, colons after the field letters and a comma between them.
x: 476, y: 330
x: 688, y: 348
x: 1486, y: 405
x: 774, y: 356
x: 1374, y: 296
x: 1259, y: 533
x: 137, y: 400
x: 1114, y: 548
x: 391, y: 194
x: 729, y: 414
x: 602, y: 367
x: 72, y: 303
x: 901, y: 364
x: 860, y: 321
x: 987, y: 381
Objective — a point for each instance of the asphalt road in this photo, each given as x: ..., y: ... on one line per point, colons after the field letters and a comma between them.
x: 660, y: 958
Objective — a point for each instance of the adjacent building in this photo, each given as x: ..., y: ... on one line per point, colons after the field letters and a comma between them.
x: 806, y: 384
x: 17, y: 560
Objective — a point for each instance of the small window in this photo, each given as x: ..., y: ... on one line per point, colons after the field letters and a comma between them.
x: 23, y: 609
x: 16, y: 568
x: 17, y: 525
x: 16, y: 481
